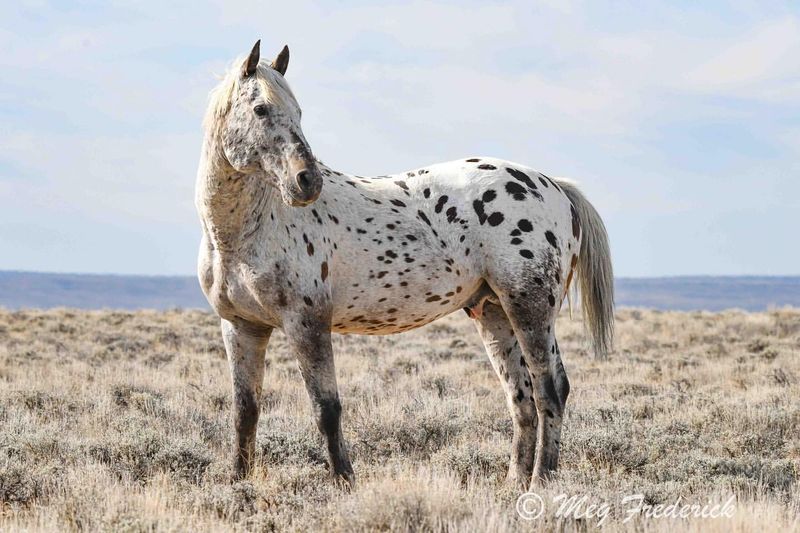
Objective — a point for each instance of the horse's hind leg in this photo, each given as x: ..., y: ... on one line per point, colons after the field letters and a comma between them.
x: 531, y: 309
x: 246, y: 346
x: 506, y: 358
x: 560, y: 376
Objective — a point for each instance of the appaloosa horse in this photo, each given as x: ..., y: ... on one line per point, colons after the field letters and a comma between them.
x: 290, y: 243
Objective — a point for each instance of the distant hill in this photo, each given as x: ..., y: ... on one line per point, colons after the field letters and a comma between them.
x: 710, y: 293
x: 98, y: 291
x: 94, y: 291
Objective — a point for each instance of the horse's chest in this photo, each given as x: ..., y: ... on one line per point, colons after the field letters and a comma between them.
x: 238, y: 291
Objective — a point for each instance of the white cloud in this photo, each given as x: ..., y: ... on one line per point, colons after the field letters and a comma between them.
x: 762, y: 64
x: 137, y: 178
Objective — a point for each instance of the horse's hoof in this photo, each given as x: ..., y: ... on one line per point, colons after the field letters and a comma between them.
x: 240, y: 471
x: 238, y: 475
x: 345, y: 480
x: 542, y: 477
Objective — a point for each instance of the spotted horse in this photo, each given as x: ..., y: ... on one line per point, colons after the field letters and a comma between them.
x: 290, y: 243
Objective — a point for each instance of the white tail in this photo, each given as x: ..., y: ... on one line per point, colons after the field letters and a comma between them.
x: 595, y: 273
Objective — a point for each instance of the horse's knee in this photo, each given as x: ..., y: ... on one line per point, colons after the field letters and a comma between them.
x: 525, y: 423
x: 524, y: 410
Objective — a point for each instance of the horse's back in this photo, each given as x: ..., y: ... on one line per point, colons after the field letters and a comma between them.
x: 510, y: 209
x: 437, y: 232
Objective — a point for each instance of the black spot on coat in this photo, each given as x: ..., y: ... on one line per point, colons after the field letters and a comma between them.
x: 496, y: 218
x: 551, y: 239
x: 576, y: 223
x: 516, y: 190
x: 477, y: 205
x: 521, y: 176
x: 451, y: 214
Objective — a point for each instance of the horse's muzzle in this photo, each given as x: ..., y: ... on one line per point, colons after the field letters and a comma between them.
x: 305, y: 185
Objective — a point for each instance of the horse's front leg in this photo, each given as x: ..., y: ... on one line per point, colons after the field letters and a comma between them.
x: 246, y: 345
x: 311, y: 340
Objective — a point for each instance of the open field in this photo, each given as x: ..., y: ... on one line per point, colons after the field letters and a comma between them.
x: 119, y: 421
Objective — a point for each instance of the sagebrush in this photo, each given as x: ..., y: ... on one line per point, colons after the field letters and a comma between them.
x: 120, y: 421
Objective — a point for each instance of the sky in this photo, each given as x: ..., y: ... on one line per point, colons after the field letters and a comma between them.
x: 680, y: 120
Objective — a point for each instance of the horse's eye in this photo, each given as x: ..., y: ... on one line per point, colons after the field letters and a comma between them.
x: 260, y: 110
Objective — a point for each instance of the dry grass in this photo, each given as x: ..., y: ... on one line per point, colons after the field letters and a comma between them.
x: 119, y: 421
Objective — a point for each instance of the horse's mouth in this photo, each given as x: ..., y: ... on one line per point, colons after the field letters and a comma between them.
x: 294, y: 201
x: 294, y: 196
x: 297, y: 197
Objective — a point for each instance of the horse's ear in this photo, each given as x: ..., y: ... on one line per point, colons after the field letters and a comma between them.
x: 282, y: 61
x: 250, y: 65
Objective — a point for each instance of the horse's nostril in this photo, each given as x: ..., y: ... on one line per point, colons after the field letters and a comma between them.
x: 303, y: 179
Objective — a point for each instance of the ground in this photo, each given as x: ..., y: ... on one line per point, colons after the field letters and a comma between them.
x: 120, y: 421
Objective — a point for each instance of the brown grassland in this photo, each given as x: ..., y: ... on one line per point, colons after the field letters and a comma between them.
x: 119, y: 421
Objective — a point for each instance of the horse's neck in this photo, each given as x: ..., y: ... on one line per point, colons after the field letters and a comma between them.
x: 232, y: 205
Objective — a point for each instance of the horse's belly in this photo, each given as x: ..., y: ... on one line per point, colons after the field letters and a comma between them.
x: 381, y: 310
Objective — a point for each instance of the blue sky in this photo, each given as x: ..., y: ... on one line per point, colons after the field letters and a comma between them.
x: 681, y: 120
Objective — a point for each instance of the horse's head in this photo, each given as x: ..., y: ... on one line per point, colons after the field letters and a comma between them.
x: 257, y: 122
